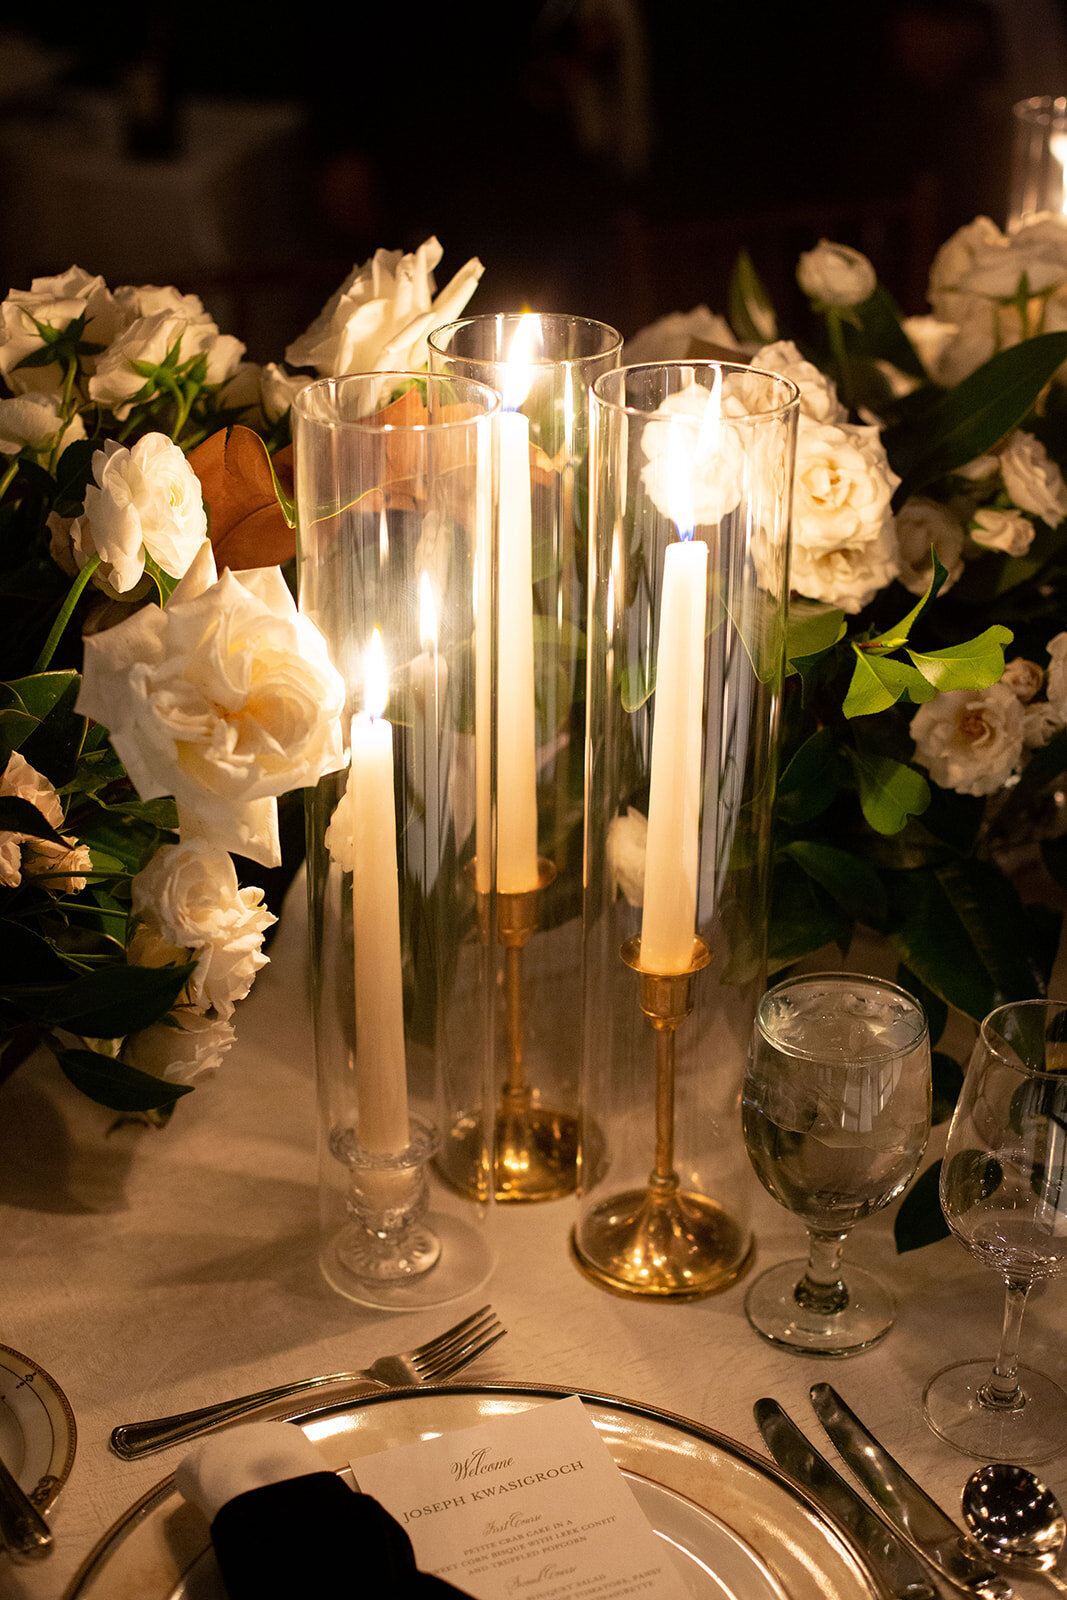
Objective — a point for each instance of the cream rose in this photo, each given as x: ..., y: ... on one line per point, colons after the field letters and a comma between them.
x: 278, y: 389
x: 1009, y: 531
x: 183, y: 1047
x: 60, y: 867
x: 54, y: 303
x: 836, y: 275
x: 225, y: 699
x: 383, y: 313
x: 818, y: 395
x: 149, y: 340
x: 1033, y: 479
x: 921, y: 523
x: 145, y: 501
x: 626, y: 845
x: 1024, y: 678
x: 692, y: 474
x: 187, y: 900
x: 671, y: 338
x: 970, y: 740
x: 849, y: 576
x: 34, y: 422
x: 843, y: 486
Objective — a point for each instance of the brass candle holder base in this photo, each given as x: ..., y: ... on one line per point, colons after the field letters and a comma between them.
x: 535, y: 1146
x: 662, y: 1241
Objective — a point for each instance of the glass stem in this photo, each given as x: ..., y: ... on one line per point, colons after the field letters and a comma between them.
x: 821, y: 1289
x: 1001, y: 1391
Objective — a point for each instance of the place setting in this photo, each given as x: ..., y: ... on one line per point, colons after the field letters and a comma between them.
x: 639, y: 765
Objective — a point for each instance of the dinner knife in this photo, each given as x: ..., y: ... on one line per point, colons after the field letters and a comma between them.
x: 23, y: 1531
x: 908, y: 1507
x: 891, y: 1557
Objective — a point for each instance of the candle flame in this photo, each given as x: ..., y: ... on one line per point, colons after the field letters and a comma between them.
x: 383, y: 538
x: 427, y: 614
x: 375, y: 676
x: 527, y: 343
x: 687, y: 455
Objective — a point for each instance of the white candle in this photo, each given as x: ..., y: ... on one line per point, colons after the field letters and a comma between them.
x: 381, y: 1067
x: 668, y: 921
x: 516, y: 759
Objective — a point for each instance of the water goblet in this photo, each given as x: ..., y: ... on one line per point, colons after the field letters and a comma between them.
x: 836, y: 1115
x: 1004, y: 1195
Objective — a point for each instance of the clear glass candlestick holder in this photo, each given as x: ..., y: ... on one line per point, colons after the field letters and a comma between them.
x: 542, y: 365
x: 690, y: 506
x: 395, y: 495
x: 1038, y: 158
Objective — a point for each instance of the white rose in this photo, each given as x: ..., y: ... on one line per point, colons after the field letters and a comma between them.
x: 671, y: 338
x: 225, y: 698
x: 921, y: 523
x: 1033, y: 479
x: 145, y: 501
x: 818, y: 395
x: 625, y: 848
x: 843, y: 486
x: 34, y: 422
x: 54, y: 303
x: 278, y: 389
x: 61, y: 867
x: 187, y: 899
x: 149, y: 340
x: 1010, y: 531
x: 185, y: 1046
x: 1056, y: 678
x: 836, y: 275
x: 955, y: 258
x: 1040, y: 722
x: 383, y: 313
x: 1024, y: 679
x: 849, y: 576
x: 691, y: 474
x: 970, y: 740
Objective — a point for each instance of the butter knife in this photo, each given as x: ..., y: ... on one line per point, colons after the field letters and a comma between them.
x: 891, y: 1557
x: 909, y: 1508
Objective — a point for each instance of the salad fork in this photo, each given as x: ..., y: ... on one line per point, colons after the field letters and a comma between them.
x: 434, y: 1361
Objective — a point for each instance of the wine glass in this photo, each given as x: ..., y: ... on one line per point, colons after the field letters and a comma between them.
x: 1004, y: 1195
x: 836, y: 1115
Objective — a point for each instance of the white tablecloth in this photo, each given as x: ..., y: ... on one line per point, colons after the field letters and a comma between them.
x: 151, y: 1271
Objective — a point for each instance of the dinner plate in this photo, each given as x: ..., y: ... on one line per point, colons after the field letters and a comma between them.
x: 37, y: 1432
x: 741, y: 1528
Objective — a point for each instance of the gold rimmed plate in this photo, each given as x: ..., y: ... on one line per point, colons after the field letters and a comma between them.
x: 739, y: 1526
x: 37, y: 1432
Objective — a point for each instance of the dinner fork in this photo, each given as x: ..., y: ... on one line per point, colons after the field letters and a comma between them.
x: 434, y: 1361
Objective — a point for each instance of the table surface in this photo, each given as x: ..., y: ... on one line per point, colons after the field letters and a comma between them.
x: 149, y: 1271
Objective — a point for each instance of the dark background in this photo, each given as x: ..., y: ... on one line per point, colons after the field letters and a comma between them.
x: 604, y: 157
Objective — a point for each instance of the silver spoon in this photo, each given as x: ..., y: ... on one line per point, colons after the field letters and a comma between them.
x: 1016, y: 1518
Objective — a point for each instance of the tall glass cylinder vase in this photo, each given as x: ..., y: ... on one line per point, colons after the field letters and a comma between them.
x: 692, y: 467
x: 395, y: 494
x: 543, y: 366
x: 1038, y: 158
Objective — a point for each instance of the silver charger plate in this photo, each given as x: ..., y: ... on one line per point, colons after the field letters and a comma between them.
x: 37, y: 1432
x: 740, y: 1527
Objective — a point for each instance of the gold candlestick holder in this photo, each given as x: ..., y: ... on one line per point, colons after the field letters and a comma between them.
x: 662, y: 1241
x: 535, y: 1146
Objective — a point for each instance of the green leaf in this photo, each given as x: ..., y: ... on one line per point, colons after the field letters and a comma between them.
x: 112, y: 1002
x: 890, y: 792
x: 882, y: 333
x: 752, y: 315
x: 920, y: 1220
x: 22, y: 816
x: 810, y: 781
x: 947, y: 1077
x: 812, y: 629
x: 974, y: 664
x: 1054, y: 855
x: 878, y: 682
x: 975, y: 415
x: 935, y: 1008
x: 165, y: 584
x: 854, y: 884
x: 896, y: 637
x: 803, y: 916
x: 117, y: 1084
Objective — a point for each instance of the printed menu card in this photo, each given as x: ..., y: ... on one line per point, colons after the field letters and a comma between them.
x: 529, y: 1505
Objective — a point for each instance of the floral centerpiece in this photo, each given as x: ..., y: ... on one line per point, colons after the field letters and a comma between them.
x: 160, y: 691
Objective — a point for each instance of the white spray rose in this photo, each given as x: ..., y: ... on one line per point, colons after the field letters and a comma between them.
x: 150, y: 338
x: 692, y: 473
x: 671, y: 338
x: 383, y: 313
x: 1033, y: 479
x: 1056, y: 677
x: 54, y: 303
x: 60, y: 867
x: 185, y: 1046
x: 1024, y: 678
x: 33, y: 422
x: 1009, y: 531
x: 1040, y: 723
x: 921, y: 523
x: 225, y: 698
x: 818, y: 394
x: 626, y: 845
x: 145, y: 501
x: 970, y: 740
x: 187, y: 900
x: 836, y: 275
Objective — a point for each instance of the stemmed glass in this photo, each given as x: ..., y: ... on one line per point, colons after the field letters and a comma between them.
x: 836, y: 1115
x: 1004, y: 1195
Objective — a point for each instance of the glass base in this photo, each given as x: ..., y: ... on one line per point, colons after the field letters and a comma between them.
x: 464, y: 1263
x: 1032, y: 1431
x: 773, y: 1310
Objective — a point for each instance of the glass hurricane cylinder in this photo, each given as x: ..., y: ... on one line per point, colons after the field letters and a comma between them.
x: 1038, y: 158
x: 543, y: 367
x: 394, y: 488
x: 692, y: 467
